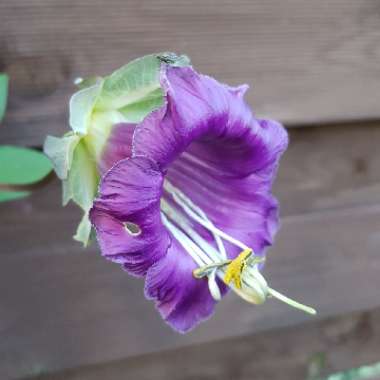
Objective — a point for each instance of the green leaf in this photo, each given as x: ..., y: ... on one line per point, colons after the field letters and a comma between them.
x: 81, y: 106
x: 3, y: 94
x: 61, y: 151
x: 12, y: 195
x: 131, y: 84
x: 81, y: 186
x: 21, y: 166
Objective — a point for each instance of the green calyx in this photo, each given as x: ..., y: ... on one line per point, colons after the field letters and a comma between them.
x: 128, y: 95
x: 173, y: 59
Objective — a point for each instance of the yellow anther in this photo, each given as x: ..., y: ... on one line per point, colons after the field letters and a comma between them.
x: 235, y: 268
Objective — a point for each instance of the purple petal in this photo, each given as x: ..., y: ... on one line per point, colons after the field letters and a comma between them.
x: 218, y: 153
x: 129, y: 195
x: 241, y: 205
x: 117, y: 147
x: 182, y: 300
x: 208, y: 144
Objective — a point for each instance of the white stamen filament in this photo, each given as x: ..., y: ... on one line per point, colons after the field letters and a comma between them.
x: 213, y: 286
x: 182, y: 222
x: 195, y: 252
x: 181, y: 199
x: 213, y: 260
x: 205, y: 223
x: 204, y: 254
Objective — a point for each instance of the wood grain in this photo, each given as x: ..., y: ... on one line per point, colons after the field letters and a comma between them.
x: 342, y: 343
x: 329, y: 167
x: 307, y: 62
x: 62, y: 306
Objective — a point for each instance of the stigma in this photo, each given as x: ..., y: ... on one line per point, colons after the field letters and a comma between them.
x: 241, y: 274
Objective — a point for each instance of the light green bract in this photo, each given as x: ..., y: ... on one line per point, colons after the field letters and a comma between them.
x: 126, y: 96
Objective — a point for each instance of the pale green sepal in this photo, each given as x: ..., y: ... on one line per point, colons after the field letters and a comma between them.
x: 131, y: 83
x: 136, y: 112
x: 60, y: 150
x: 81, y: 106
x: 66, y: 192
x: 82, y: 181
x: 174, y: 60
x: 84, y: 230
x: 82, y: 83
x: 101, y: 126
x: 81, y: 186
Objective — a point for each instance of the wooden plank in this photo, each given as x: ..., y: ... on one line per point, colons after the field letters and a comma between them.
x: 72, y: 308
x: 342, y: 343
x: 326, y: 168
x: 63, y: 307
x: 307, y: 61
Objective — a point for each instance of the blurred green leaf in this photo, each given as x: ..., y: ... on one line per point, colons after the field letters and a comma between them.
x: 3, y: 94
x: 367, y: 372
x: 317, y: 364
x: 12, y: 195
x: 21, y: 166
x: 370, y: 372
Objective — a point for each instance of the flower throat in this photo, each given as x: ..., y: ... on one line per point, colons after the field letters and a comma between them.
x: 242, y: 274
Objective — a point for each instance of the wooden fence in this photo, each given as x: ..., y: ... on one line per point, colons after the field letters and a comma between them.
x: 313, y: 65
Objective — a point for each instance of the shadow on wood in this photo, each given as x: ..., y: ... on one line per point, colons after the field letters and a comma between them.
x: 342, y: 343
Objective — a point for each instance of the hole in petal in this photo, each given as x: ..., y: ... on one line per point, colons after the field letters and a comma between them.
x: 132, y: 228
